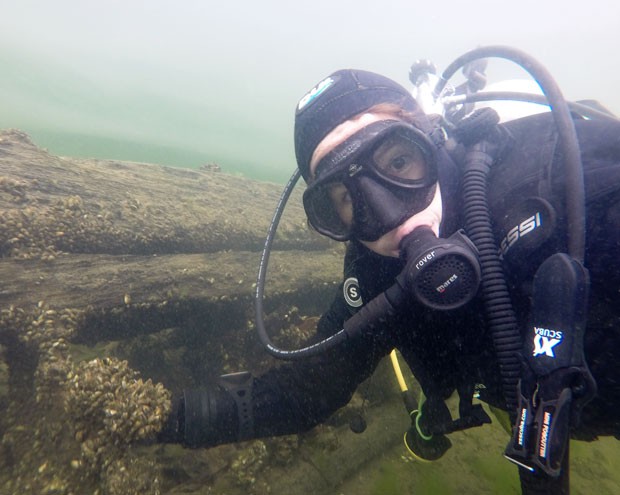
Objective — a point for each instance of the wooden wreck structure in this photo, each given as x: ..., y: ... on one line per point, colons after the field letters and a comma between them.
x: 155, y: 265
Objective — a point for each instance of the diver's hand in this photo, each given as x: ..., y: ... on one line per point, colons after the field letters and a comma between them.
x: 212, y: 416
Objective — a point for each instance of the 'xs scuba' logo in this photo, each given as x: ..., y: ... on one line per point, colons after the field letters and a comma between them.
x: 545, y: 340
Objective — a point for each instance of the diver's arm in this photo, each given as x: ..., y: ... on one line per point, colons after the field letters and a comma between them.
x: 289, y: 399
x: 297, y: 397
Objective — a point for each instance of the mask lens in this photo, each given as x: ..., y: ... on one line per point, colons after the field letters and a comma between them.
x: 399, y: 158
x: 329, y: 209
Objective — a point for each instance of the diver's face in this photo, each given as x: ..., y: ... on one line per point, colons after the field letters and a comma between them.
x: 388, y: 243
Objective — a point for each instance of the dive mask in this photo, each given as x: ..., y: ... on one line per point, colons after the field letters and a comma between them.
x: 372, y: 182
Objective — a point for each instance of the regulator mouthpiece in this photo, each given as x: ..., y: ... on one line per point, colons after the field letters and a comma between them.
x: 440, y: 273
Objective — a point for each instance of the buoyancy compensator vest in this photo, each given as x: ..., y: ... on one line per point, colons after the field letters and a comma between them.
x: 531, y: 223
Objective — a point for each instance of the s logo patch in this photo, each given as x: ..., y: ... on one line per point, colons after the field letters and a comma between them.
x: 351, y: 291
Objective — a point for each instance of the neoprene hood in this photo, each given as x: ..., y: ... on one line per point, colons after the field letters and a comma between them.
x: 337, y: 98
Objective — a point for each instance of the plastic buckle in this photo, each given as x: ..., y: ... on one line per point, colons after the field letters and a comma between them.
x: 541, y: 430
x: 540, y: 437
x: 552, y: 424
x: 517, y: 450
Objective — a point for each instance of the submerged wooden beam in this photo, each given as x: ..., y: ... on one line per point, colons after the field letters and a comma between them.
x: 52, y: 203
x: 104, y: 236
x: 105, y: 281
x: 156, y: 266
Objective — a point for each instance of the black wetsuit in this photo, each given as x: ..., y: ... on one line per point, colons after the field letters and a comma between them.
x: 448, y: 350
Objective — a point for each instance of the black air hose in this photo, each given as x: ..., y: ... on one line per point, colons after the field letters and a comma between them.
x: 502, y: 320
x: 498, y: 306
x: 569, y: 145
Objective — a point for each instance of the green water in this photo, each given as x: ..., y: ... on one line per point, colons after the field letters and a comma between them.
x: 164, y: 120
x: 66, y: 143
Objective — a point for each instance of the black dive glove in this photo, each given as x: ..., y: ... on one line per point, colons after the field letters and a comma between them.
x: 206, y: 418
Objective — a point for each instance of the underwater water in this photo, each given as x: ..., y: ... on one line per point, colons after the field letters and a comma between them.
x: 148, y: 151
x: 169, y: 118
x: 212, y: 82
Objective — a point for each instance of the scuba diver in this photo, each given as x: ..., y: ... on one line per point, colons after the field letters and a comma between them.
x: 484, y: 252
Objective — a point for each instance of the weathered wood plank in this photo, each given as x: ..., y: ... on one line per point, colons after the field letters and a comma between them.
x: 52, y: 204
x: 105, y: 281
